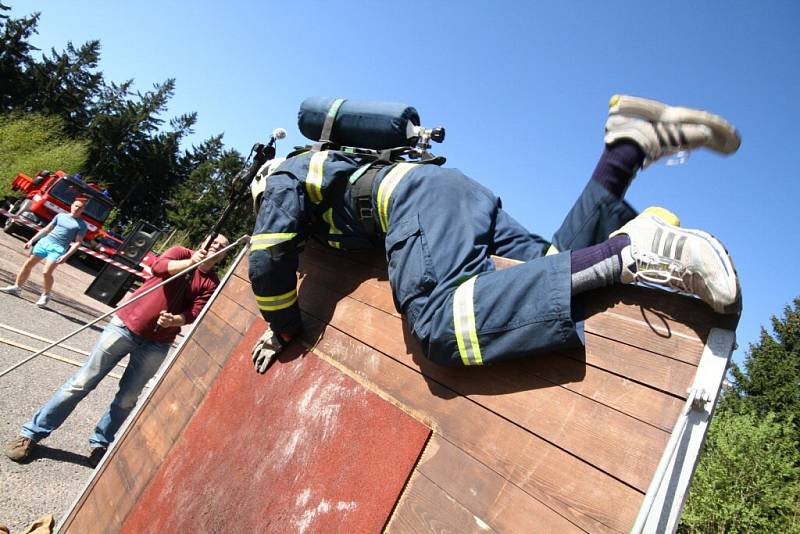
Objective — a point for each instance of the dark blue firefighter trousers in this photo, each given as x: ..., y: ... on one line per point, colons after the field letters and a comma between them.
x: 443, y: 228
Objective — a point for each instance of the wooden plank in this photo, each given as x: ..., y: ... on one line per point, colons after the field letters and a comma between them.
x: 426, y: 508
x: 490, y: 498
x: 615, y: 442
x: 238, y: 317
x: 240, y: 292
x: 637, y: 400
x: 662, y: 373
x: 217, y: 337
x: 369, y: 290
x: 642, y: 366
x: 638, y: 333
x: 578, y: 491
x: 241, y: 268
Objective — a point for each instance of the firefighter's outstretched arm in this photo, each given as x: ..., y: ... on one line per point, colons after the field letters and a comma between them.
x: 273, y: 265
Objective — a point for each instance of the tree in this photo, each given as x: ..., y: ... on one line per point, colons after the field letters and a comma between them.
x: 32, y: 142
x: 748, y: 478
x: 199, y: 201
x: 63, y: 83
x: 15, y: 58
x: 771, y: 382
x: 132, y: 154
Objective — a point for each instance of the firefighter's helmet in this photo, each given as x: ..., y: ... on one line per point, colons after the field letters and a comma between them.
x: 259, y: 183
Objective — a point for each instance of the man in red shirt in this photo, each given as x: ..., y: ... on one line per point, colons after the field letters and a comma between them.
x: 145, y: 330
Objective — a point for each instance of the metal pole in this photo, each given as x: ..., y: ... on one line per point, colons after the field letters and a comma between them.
x: 131, y: 301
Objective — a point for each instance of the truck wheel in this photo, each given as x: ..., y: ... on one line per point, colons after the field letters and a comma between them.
x: 7, y: 204
x: 10, y: 227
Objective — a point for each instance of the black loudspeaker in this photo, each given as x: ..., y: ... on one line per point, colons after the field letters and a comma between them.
x: 139, y: 242
x: 110, y: 285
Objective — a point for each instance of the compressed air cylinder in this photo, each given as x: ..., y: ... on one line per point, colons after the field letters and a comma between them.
x: 363, y: 124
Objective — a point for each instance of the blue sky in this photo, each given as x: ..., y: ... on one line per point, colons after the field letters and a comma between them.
x: 522, y: 88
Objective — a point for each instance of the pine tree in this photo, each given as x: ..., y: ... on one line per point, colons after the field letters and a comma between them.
x: 771, y: 382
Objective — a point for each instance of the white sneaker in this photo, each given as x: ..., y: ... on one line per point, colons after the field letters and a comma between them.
x: 660, y: 129
x: 43, y: 300
x: 690, y: 261
x: 12, y: 290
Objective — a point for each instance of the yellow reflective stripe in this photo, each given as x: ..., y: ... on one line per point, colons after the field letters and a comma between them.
x: 314, y: 178
x: 265, y: 241
x: 464, y: 323
x: 552, y: 250
x: 278, y: 302
x: 328, y: 218
x: 388, y: 184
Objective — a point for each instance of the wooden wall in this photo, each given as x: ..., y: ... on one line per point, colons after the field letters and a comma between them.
x: 565, y: 442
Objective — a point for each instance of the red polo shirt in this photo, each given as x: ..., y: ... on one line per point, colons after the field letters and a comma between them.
x: 141, y: 316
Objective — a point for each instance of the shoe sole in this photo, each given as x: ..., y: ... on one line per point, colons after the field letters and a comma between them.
x: 722, y: 253
x: 725, y: 138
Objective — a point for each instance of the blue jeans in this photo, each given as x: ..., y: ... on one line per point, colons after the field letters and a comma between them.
x: 114, y: 343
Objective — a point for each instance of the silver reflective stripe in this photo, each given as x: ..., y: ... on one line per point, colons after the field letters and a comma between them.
x: 314, y: 178
x: 265, y: 241
x: 464, y: 323
x: 386, y: 188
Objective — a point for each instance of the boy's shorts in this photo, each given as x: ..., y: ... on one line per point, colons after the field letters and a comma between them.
x: 44, y: 248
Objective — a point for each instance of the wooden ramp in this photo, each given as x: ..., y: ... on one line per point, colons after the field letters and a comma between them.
x: 577, y: 441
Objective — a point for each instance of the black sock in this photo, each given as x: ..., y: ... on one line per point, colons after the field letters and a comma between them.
x: 617, y: 166
x: 599, y: 265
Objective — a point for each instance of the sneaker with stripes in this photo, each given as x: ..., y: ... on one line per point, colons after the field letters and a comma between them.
x: 689, y: 261
x: 661, y: 130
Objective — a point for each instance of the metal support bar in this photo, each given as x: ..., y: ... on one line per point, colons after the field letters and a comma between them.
x: 666, y: 495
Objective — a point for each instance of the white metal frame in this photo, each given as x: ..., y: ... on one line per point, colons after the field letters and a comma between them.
x: 663, y: 503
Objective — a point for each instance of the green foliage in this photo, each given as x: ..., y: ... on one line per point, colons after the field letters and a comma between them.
x: 132, y: 152
x: 749, y: 479
x: 771, y: 382
x: 200, y: 200
x: 32, y: 142
x: 15, y: 58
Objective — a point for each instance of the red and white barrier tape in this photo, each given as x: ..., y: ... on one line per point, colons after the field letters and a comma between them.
x: 145, y: 273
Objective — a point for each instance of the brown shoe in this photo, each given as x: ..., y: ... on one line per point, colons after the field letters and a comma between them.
x: 19, y: 449
x: 96, y: 455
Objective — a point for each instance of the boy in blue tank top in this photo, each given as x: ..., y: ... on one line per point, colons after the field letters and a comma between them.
x: 54, y: 244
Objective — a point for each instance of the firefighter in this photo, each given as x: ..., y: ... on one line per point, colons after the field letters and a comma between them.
x: 439, y: 229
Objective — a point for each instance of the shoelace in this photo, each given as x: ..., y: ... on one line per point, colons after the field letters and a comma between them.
x: 662, y: 271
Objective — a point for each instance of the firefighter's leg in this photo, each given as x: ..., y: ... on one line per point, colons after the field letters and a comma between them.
x: 512, y: 240
x: 502, y: 315
x: 443, y: 280
x: 596, y: 213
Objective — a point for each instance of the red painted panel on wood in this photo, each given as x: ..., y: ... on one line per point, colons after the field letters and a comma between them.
x: 303, y: 448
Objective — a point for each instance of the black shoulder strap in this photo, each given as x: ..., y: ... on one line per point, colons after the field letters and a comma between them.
x: 361, y: 195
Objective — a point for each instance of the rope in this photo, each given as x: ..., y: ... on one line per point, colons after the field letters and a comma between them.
x: 124, y: 304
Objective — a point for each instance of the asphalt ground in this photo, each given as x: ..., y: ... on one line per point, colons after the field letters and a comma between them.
x: 59, y: 469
